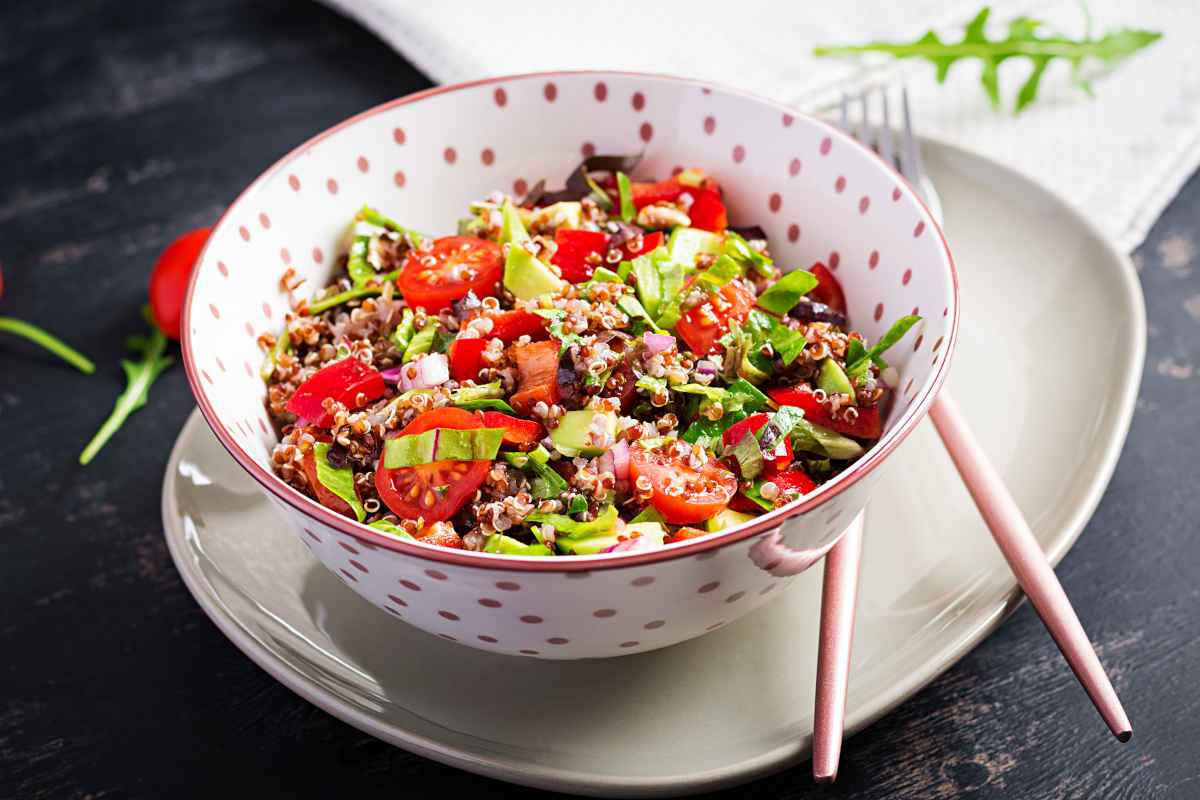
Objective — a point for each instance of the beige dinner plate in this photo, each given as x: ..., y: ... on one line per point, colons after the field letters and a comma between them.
x: 1046, y: 371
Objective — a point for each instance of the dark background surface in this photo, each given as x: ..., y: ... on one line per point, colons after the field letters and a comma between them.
x: 124, y: 124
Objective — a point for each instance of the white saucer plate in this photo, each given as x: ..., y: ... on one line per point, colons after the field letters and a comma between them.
x: 1047, y: 370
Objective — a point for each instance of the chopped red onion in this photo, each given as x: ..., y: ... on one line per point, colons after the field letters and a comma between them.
x: 620, y: 459
x: 634, y: 544
x: 657, y: 342
x: 706, y: 367
x: 392, y: 375
x: 432, y: 370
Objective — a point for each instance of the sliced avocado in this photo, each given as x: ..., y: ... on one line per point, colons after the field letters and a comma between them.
x: 812, y: 438
x: 726, y: 519
x: 651, y: 530
x: 833, y: 380
x: 586, y: 432
x: 649, y: 283
x: 512, y: 229
x: 526, y: 276
x: 647, y: 514
x: 687, y: 243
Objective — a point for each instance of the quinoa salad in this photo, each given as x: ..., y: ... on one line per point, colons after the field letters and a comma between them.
x: 607, y: 367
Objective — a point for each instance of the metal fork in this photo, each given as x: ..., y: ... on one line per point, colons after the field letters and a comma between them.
x: 1001, y: 513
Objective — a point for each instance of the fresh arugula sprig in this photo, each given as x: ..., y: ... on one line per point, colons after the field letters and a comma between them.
x: 139, y: 376
x: 859, y: 358
x: 48, y: 341
x: 1022, y: 41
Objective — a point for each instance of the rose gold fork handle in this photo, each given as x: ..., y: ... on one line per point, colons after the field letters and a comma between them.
x: 1027, y: 561
x: 839, y: 596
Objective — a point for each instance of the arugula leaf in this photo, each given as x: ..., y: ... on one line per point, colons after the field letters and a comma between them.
x: 749, y: 456
x: 577, y: 504
x: 1022, y: 41
x: 625, y: 192
x: 358, y: 266
x: 787, y: 291
x: 858, y: 358
x: 403, y: 333
x: 547, y: 483
x: 339, y: 480
x: 50, y: 342
x: 139, y: 376
x: 708, y: 433
x: 720, y: 273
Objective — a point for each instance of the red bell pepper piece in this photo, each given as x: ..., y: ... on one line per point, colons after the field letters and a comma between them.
x: 516, y: 431
x: 683, y: 534
x: 707, y: 211
x: 466, y: 358
x: 574, y: 247
x: 537, y: 371
x: 342, y: 380
x: 667, y: 191
x: 867, y: 425
x: 796, y: 479
x: 827, y: 290
x: 509, y: 326
x: 650, y: 241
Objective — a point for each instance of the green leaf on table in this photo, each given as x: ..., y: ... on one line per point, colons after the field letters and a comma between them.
x: 1023, y: 39
x: 139, y: 376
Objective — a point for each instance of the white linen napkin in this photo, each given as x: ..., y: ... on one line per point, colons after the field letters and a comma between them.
x: 1120, y: 157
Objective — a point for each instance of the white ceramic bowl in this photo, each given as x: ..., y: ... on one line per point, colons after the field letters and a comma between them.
x: 421, y: 159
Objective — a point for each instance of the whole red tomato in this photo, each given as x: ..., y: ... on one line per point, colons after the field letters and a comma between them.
x: 169, y: 281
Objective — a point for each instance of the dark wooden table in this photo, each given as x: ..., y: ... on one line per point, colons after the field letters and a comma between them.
x: 123, y: 124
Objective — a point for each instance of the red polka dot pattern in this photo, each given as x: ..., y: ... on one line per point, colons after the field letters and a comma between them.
x: 331, y: 186
x: 600, y: 92
x: 839, y: 185
x: 788, y: 119
x: 532, y: 619
x: 318, y: 255
x: 708, y: 587
x: 398, y: 178
x: 450, y: 615
x: 919, y: 229
x: 500, y: 96
x: 363, y: 165
x: 520, y: 187
x: 488, y: 602
x: 550, y: 92
x: 873, y: 259
x: 739, y: 154
x: 604, y: 613
x: 294, y: 182
x: 774, y: 202
x: 487, y: 157
x: 710, y: 125
x: 794, y: 167
x: 508, y: 586
x: 826, y: 146
x: 221, y: 268
x: 646, y: 131
x: 793, y: 232
x: 864, y: 203
x: 645, y: 580
x: 587, y: 149
x: 638, y: 101
x: 450, y: 155
x: 244, y: 232
x: 437, y: 575
x: 906, y: 277
x: 398, y: 133
x: 835, y: 258
x: 878, y: 311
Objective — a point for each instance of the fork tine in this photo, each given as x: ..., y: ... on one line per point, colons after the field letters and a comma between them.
x: 913, y: 170
x: 845, y: 113
x: 885, y: 133
x: 863, y: 128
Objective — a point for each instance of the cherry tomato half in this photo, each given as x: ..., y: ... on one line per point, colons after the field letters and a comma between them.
x: 867, y: 425
x: 436, y: 491
x: 827, y: 290
x: 435, y: 278
x: 346, y: 381
x: 682, y: 494
x: 707, y: 212
x: 169, y: 280
x: 703, y: 325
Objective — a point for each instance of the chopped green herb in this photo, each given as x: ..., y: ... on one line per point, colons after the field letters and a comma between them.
x: 787, y: 291
x: 625, y: 192
x: 507, y: 545
x: 283, y: 344
x: 422, y: 342
x: 546, y: 483
x: 737, y: 248
x: 358, y: 264
x: 577, y: 505
x: 368, y: 214
x: 403, y: 333
x: 391, y: 528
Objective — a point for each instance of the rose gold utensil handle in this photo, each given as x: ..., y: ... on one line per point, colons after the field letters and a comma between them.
x: 839, y: 596
x: 1027, y: 561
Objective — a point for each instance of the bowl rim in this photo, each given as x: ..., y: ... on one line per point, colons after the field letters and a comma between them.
x: 495, y: 561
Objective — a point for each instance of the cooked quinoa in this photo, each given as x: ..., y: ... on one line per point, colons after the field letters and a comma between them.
x: 609, y: 367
